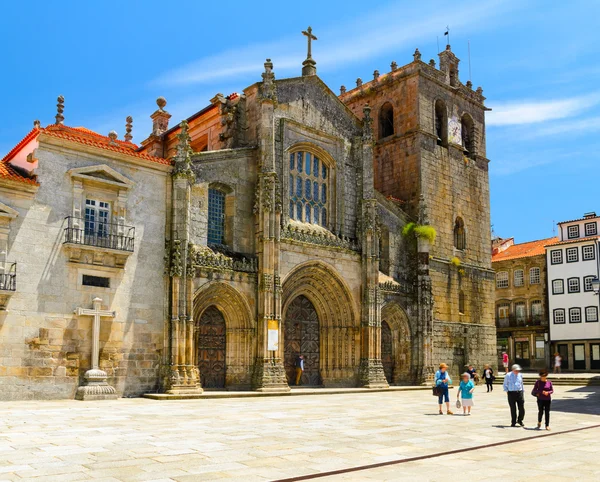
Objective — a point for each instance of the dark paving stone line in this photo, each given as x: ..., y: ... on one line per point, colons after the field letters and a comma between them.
x: 430, y: 456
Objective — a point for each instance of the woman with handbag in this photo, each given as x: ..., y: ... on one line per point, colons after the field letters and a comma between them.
x: 442, y: 382
x: 488, y: 374
x: 465, y: 391
x: 543, y: 391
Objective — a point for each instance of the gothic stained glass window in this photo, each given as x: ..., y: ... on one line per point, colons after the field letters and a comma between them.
x: 216, y: 217
x: 308, y: 188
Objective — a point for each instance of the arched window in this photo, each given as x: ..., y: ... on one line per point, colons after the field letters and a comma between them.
x: 467, y: 135
x: 386, y: 120
x: 308, y: 188
x: 460, y: 240
x: 461, y: 303
x: 441, y: 123
x: 216, y: 217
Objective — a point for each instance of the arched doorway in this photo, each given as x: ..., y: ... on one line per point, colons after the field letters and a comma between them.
x: 395, y: 324
x: 211, y: 348
x: 301, y: 335
x: 387, y: 351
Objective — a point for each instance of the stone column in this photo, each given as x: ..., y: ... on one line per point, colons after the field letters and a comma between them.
x: 425, y: 368
x: 371, y: 374
x: 269, y: 373
x: 181, y: 376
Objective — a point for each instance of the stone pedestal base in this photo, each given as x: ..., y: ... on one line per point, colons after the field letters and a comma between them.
x: 371, y: 375
x: 96, y: 387
x: 269, y: 376
x: 182, y: 380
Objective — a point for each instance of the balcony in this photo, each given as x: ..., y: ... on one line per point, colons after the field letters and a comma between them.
x: 98, y: 243
x: 514, y: 322
x: 8, y: 283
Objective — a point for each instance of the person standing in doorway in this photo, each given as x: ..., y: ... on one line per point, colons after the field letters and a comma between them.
x: 543, y: 390
x: 505, y: 362
x: 557, y: 362
x: 299, y: 368
x: 488, y: 374
x: 443, y: 381
x: 513, y: 386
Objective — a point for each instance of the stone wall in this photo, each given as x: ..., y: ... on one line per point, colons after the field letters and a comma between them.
x: 460, y: 344
x: 45, y: 348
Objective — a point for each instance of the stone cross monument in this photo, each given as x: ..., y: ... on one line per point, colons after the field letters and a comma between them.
x: 96, y: 386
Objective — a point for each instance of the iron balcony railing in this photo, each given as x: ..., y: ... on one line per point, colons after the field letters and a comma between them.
x: 8, y: 276
x: 99, y: 234
x: 513, y: 322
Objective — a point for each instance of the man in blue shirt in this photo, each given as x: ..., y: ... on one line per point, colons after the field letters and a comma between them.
x: 513, y: 386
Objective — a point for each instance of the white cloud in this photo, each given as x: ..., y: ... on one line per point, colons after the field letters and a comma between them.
x: 392, y: 28
x: 516, y: 161
x: 531, y: 112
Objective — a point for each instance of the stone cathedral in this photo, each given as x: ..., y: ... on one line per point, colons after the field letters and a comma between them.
x: 353, y: 229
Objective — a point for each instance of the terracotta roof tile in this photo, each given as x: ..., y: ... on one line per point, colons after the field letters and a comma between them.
x: 91, y: 138
x: 8, y: 172
x: 523, y: 250
x: 557, y: 242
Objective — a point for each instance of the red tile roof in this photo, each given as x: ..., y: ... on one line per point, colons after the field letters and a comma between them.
x: 556, y: 242
x: 91, y: 138
x: 8, y: 172
x: 524, y: 250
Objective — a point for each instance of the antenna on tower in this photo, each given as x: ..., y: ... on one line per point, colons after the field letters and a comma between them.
x: 553, y: 228
x: 469, y: 50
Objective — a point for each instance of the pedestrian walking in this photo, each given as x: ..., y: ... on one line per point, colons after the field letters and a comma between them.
x: 473, y: 375
x: 505, y: 362
x: 465, y: 391
x: 543, y: 390
x: 443, y: 381
x: 513, y: 386
x: 299, y: 368
x: 557, y: 362
x: 488, y: 374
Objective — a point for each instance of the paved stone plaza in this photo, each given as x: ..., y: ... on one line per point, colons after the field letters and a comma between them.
x: 274, y: 438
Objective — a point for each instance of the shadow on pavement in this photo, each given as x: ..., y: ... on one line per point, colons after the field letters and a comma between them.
x: 589, y: 405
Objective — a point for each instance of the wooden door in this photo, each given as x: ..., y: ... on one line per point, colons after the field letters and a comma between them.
x: 387, y: 351
x: 301, y: 334
x: 211, y: 348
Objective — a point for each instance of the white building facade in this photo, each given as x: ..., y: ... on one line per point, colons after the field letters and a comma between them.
x: 573, y: 303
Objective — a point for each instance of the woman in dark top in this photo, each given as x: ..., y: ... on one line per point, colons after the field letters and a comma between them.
x: 543, y: 390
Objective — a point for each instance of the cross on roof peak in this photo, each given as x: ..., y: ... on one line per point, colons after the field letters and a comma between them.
x: 309, y: 64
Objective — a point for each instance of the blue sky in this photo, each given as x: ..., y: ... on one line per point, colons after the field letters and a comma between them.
x: 537, y: 62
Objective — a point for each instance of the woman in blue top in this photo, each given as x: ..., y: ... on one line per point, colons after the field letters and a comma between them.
x: 443, y: 381
x: 465, y: 391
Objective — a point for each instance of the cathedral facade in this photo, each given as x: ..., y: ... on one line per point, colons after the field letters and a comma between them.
x: 353, y: 229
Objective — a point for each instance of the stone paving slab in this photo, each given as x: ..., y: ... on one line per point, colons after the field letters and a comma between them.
x: 282, y: 437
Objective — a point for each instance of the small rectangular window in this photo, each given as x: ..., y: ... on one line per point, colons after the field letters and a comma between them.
x: 556, y: 256
x: 573, y: 285
x: 558, y: 287
x: 518, y: 277
x: 587, y: 283
x: 97, y: 281
x: 572, y: 255
x: 591, y: 229
x: 520, y: 312
x: 534, y: 276
x: 573, y: 232
x: 502, y: 279
x: 587, y: 252
x: 575, y: 315
x: 591, y: 314
x: 559, y: 316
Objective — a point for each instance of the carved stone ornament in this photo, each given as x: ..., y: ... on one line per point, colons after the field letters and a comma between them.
x: 60, y: 108
x: 176, y: 267
x: 183, y: 157
x: 367, y: 123
x: 269, y: 89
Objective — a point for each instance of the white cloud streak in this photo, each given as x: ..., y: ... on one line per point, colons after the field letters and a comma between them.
x: 532, y: 112
x: 389, y: 30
